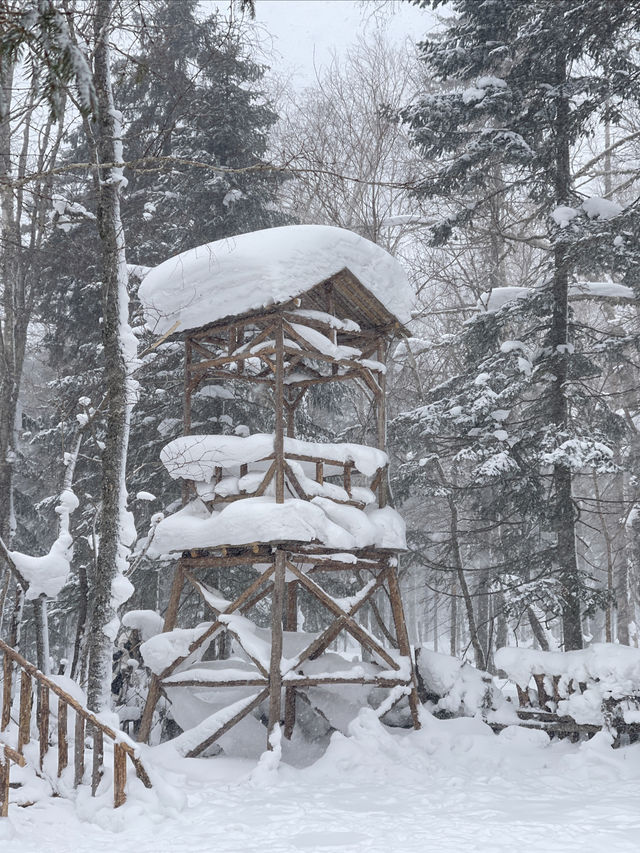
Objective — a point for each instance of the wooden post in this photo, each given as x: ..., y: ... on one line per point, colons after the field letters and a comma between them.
x: 24, y: 720
x: 278, y: 443
x: 186, y: 413
x: 98, y: 760
x: 346, y: 478
x: 4, y: 783
x: 402, y: 637
x: 63, y: 743
x: 78, y: 751
x: 291, y: 624
x: 170, y: 619
x: 7, y: 675
x: 43, y: 720
x: 6, y: 756
x: 381, y: 428
x: 119, y: 775
x: 275, y: 667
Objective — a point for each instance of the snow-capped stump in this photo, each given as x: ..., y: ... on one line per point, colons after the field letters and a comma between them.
x: 457, y: 688
x: 289, y: 310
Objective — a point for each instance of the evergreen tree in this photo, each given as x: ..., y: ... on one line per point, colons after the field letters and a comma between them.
x: 525, y: 83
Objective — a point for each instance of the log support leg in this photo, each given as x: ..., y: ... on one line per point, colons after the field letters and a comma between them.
x: 275, y: 667
x: 402, y: 637
x: 170, y: 619
x: 290, y: 692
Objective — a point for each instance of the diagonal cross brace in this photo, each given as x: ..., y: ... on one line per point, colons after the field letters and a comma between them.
x: 217, y: 625
x: 350, y: 625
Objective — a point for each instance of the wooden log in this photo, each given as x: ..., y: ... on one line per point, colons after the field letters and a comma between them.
x: 524, y: 700
x: 350, y: 625
x: 275, y: 665
x: 119, y: 775
x: 7, y: 677
x: 217, y: 625
x: 278, y: 440
x: 78, y: 751
x: 322, y: 642
x: 402, y: 636
x: 243, y: 682
x: 63, y: 738
x: 319, y: 473
x: 331, y: 679
x: 5, y: 787
x: 170, y: 618
x: 98, y: 759
x: 197, y: 750
x: 43, y: 720
x: 291, y: 624
x: 543, y: 696
x: 346, y: 478
x: 293, y: 482
x: 24, y: 719
x: 217, y: 561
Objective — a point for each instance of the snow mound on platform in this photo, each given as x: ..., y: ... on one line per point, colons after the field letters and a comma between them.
x: 263, y: 268
x: 195, y: 457
x: 263, y: 520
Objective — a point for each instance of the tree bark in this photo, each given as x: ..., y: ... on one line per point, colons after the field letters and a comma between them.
x: 565, y: 514
x: 113, y: 551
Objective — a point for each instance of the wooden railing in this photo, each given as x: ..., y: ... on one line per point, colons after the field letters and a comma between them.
x: 7, y: 757
x: 87, y: 725
x: 537, y: 708
x: 294, y: 486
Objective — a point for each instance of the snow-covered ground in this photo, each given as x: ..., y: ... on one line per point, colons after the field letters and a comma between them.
x: 454, y: 786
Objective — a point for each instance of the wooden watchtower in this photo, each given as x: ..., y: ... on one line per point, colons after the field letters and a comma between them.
x: 289, y: 309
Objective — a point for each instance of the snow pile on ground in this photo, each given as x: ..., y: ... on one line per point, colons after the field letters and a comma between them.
x: 263, y: 520
x: 456, y: 687
x: 608, y: 670
x: 452, y: 786
x: 265, y: 268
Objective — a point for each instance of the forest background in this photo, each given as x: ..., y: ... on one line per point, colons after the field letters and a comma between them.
x: 495, y: 154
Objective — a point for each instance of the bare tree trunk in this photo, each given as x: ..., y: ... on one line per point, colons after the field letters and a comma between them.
x: 483, y: 619
x: 565, y: 515
x: 119, y: 356
x: 453, y: 642
x: 464, y: 587
x: 502, y: 626
x: 41, y: 621
x: 538, y: 630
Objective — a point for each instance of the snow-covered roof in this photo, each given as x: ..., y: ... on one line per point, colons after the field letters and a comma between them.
x: 236, y: 275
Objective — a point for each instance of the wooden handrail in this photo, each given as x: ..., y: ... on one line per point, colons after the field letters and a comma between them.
x: 85, y: 721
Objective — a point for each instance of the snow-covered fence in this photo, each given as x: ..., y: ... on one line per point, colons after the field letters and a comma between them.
x: 87, y: 725
x: 577, y: 692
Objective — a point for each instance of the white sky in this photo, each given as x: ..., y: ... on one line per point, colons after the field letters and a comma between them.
x: 299, y: 35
